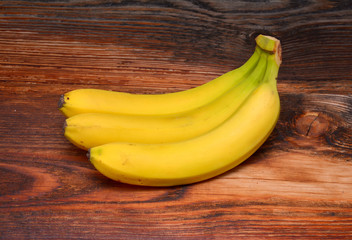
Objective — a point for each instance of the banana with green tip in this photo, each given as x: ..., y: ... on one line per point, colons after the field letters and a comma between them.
x: 103, y: 101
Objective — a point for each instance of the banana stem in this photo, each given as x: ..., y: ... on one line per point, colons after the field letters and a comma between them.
x: 270, y: 44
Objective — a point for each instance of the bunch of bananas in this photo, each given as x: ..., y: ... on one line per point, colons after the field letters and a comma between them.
x: 182, y: 137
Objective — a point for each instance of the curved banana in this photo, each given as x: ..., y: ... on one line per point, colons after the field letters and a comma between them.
x: 93, y: 129
x: 203, y: 157
x: 103, y: 101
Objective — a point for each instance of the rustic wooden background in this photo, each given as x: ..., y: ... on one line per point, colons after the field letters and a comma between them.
x: 297, y: 186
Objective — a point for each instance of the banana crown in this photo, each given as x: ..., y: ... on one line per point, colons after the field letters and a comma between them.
x: 270, y: 44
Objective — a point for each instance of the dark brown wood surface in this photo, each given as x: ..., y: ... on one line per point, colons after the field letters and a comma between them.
x: 297, y: 186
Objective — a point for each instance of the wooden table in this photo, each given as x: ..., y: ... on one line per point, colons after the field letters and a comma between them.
x: 297, y: 186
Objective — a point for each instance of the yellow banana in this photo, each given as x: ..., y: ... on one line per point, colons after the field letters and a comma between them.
x: 93, y: 129
x: 205, y: 156
x: 103, y: 101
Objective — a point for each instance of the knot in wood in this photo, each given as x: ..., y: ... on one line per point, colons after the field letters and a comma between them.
x: 312, y: 124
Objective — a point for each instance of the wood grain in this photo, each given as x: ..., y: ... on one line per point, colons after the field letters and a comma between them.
x: 298, y: 185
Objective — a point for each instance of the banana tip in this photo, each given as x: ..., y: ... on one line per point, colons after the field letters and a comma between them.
x: 61, y: 101
x: 88, y: 154
x: 64, y: 126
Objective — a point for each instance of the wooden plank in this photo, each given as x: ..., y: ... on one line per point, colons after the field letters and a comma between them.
x: 298, y: 185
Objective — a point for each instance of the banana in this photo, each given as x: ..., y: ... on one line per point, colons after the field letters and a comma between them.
x: 102, y: 101
x: 88, y: 130
x: 208, y: 155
